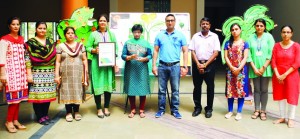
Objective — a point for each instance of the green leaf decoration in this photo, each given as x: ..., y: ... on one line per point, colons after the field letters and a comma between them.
x: 62, y: 26
x: 82, y: 22
x: 150, y: 24
x: 246, y: 22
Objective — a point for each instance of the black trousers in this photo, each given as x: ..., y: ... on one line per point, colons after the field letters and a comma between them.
x: 72, y: 108
x: 97, y: 98
x: 41, y: 109
x: 209, y: 78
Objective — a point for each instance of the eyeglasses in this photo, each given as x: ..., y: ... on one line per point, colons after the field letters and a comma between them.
x: 286, y: 32
x: 170, y: 20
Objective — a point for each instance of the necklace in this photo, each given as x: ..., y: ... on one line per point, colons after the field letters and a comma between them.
x: 258, y: 40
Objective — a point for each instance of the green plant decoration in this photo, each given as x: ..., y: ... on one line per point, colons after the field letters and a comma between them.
x: 82, y: 23
x: 149, y: 24
x: 246, y: 22
x: 181, y: 25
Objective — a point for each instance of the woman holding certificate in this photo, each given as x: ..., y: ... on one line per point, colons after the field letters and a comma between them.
x: 102, y: 76
x: 137, y: 53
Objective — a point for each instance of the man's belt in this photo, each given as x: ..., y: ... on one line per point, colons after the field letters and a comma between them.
x: 167, y: 63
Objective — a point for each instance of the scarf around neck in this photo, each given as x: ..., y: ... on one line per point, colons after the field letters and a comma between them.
x: 41, y: 54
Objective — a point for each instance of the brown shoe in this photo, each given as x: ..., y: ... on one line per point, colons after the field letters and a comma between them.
x: 19, y: 126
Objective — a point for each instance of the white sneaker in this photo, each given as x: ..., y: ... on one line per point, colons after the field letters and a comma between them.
x: 228, y: 115
x: 238, y: 116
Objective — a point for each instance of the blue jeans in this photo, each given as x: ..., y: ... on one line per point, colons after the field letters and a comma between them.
x: 164, y: 74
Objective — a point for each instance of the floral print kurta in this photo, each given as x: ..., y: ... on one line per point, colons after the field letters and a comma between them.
x: 237, y: 86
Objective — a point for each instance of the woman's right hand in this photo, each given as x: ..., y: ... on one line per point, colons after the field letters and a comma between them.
x: 95, y: 51
x: 235, y: 71
x: 134, y: 56
x: 257, y: 72
x: 57, y: 80
x: 29, y: 78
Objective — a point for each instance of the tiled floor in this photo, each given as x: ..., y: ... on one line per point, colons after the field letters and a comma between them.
x: 119, y: 126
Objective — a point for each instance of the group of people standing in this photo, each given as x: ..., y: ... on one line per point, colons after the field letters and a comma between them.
x: 34, y: 69
x: 256, y: 58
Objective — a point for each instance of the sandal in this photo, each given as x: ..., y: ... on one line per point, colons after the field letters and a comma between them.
x: 255, y: 115
x: 263, y: 116
x: 278, y: 121
x: 69, y: 117
x: 131, y: 114
x: 19, y: 126
x: 10, y: 128
x: 142, y: 114
x: 106, y: 112
x: 77, y: 116
x: 100, y: 114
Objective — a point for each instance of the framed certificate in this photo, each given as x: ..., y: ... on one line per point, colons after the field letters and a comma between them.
x: 107, y: 54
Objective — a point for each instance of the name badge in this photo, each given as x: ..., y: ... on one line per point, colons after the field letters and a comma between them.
x: 259, y: 53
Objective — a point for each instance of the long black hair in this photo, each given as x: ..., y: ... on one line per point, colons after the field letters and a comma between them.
x: 231, y: 37
x: 10, y: 20
x: 263, y: 21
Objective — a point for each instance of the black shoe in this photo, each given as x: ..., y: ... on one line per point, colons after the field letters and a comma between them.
x: 50, y: 121
x: 196, y: 112
x: 44, y: 122
x: 208, y: 113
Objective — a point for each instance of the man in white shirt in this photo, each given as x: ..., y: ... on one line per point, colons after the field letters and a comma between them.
x: 205, y: 47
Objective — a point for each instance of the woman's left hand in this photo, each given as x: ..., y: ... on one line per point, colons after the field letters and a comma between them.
x: 142, y: 59
x: 262, y: 70
x: 281, y: 78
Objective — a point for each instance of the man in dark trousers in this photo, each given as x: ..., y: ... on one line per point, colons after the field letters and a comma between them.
x: 205, y: 47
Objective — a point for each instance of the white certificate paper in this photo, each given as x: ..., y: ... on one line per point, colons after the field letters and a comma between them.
x: 107, y: 54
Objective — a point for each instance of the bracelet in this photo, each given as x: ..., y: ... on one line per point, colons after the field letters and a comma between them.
x: 204, y: 65
x: 264, y: 66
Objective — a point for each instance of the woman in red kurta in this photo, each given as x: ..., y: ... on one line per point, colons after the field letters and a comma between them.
x: 13, y: 73
x: 285, y: 63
